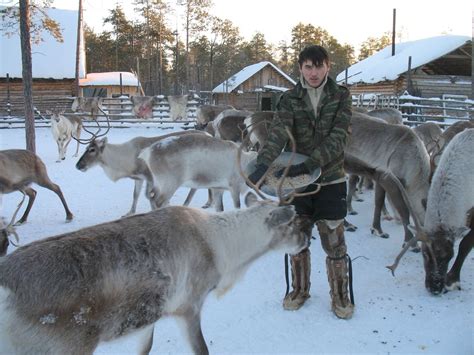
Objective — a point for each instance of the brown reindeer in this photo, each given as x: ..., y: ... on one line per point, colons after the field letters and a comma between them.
x: 20, y: 168
x: 88, y: 105
x: 207, y: 113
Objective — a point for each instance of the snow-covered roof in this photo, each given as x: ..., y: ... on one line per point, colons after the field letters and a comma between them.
x: 383, y: 66
x: 235, y: 80
x: 50, y: 59
x: 109, y: 78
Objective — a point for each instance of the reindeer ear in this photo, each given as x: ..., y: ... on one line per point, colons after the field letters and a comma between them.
x: 101, y: 143
x: 282, y: 215
x: 250, y: 199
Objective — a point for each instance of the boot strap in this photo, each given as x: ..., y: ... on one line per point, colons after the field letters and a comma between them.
x: 349, y: 265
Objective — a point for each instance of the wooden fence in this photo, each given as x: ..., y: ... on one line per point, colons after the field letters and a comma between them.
x: 415, y: 110
x: 118, y: 110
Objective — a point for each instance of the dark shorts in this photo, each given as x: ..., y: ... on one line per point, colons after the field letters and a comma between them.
x: 329, y: 203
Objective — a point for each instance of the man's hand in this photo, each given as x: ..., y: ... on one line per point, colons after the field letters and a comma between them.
x: 260, y: 170
x: 295, y: 170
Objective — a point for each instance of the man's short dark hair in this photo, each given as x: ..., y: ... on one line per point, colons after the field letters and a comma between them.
x: 317, y: 54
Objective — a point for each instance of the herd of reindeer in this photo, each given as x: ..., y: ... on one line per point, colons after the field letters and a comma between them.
x: 67, y: 293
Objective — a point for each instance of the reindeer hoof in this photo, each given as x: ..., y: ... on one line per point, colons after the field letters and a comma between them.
x: 453, y: 286
x: 349, y: 226
x: 378, y: 233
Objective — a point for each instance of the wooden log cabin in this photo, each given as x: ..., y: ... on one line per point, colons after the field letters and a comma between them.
x: 53, y: 68
x: 429, y: 68
x: 254, y: 88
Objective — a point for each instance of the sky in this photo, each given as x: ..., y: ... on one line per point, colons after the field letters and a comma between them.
x: 349, y: 22
x: 393, y: 315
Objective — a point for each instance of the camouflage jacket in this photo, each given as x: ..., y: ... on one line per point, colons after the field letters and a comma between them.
x: 321, y: 135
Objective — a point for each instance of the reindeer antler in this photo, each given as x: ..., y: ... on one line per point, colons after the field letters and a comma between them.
x: 420, y: 235
x: 284, y: 200
x: 10, y: 229
x: 96, y: 134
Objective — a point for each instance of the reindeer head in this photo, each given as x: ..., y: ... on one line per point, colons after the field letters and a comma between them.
x: 91, y: 156
x: 279, y: 221
x: 437, y: 254
x: 55, y: 114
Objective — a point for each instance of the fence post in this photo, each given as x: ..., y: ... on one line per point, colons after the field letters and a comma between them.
x: 9, y: 111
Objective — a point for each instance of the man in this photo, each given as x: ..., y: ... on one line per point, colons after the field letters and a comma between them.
x: 318, y: 113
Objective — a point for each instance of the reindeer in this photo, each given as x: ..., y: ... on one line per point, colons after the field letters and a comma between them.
x: 395, y: 148
x: 196, y: 161
x: 20, y: 168
x: 121, y: 161
x: 207, y: 113
x: 106, y: 281
x: 229, y: 125
x: 388, y: 114
x: 258, y: 125
x: 430, y: 133
x: 449, y: 216
x: 89, y: 105
x: 447, y: 135
x: 386, y: 180
x: 63, y: 129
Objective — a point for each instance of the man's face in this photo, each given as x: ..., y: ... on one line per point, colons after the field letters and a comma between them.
x: 314, y: 75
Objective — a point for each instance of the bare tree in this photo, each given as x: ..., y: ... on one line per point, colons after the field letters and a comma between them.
x: 27, y: 75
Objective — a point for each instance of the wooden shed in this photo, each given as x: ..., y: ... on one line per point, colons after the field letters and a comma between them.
x: 110, y: 84
x: 430, y: 67
x: 256, y: 87
x: 53, y: 67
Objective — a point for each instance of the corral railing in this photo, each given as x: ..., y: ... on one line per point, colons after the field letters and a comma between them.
x: 415, y: 110
x: 119, y: 110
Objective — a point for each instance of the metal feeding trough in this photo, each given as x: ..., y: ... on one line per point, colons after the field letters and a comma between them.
x: 297, y: 183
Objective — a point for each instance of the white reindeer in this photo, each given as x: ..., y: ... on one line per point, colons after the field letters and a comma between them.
x: 67, y: 293
x: 195, y: 161
x: 449, y: 215
x: 121, y: 160
x: 64, y: 129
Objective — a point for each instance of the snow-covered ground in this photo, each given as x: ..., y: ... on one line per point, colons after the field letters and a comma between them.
x: 393, y: 314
